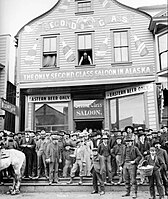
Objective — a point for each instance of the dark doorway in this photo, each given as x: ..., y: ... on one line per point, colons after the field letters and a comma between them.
x: 91, y: 124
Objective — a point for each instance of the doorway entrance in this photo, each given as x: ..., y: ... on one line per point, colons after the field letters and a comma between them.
x: 89, y: 124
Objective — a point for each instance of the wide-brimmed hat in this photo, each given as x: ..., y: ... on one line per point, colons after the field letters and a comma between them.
x: 119, y: 137
x: 141, y: 134
x: 129, y: 127
x: 156, y: 142
x: 140, y: 129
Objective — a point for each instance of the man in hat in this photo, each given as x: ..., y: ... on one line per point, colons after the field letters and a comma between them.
x: 129, y: 130
x: 97, y: 170
x: 41, y: 147
x: 130, y: 160
x: 155, y: 161
x: 164, y: 156
x: 164, y: 137
x: 116, y: 153
x: 80, y: 155
x: 104, y: 150
x: 52, y: 157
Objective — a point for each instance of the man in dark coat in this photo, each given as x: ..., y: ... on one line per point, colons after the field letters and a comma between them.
x: 164, y: 156
x: 97, y: 169
x: 130, y: 159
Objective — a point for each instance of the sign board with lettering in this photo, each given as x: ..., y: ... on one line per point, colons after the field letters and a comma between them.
x: 93, y: 111
x: 86, y: 74
x: 6, y: 106
x: 129, y: 91
x: 49, y: 98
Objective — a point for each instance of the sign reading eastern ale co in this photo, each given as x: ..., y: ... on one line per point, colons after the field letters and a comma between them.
x: 49, y: 98
x: 92, y: 111
x: 6, y: 106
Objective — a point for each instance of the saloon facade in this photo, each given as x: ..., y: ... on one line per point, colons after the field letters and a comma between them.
x: 93, y: 62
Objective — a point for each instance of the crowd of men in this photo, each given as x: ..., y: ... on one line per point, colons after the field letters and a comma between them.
x: 65, y: 154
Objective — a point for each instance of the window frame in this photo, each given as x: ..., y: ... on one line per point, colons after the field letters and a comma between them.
x: 77, y: 49
x: 120, y: 30
x: 50, y: 52
x: 84, y: 12
x: 160, y: 53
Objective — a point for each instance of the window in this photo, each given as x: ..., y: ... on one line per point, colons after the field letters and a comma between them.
x: 127, y: 111
x: 120, y: 46
x: 84, y: 6
x: 50, y: 51
x: 163, y: 51
x: 85, y: 54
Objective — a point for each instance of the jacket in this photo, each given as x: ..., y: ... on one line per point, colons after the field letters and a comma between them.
x: 53, y: 152
x: 98, y: 164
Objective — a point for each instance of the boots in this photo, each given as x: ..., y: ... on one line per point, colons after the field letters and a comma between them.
x: 80, y: 182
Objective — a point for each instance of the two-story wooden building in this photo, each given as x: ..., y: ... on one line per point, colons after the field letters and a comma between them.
x: 94, y: 59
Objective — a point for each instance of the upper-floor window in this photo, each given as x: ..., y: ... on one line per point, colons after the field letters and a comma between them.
x: 84, y: 6
x: 163, y: 51
x: 120, y: 45
x: 85, y: 52
x: 50, y: 51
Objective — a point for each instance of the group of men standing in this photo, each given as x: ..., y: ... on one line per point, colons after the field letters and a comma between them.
x: 100, y: 154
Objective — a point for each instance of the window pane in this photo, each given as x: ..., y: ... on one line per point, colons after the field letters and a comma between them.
x: 131, y: 112
x: 88, y: 42
x: 124, y: 55
x: 46, y: 44
x: 53, y: 44
x: 81, y: 42
x: 84, y: 6
x: 124, y: 39
x: 117, y: 54
x: 164, y: 62
x: 51, y: 116
x: 117, y: 41
x: 163, y: 43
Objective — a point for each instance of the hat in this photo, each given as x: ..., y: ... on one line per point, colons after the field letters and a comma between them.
x: 156, y: 142
x: 152, y: 149
x: 129, y: 127
x: 119, y: 137
x: 74, y: 134
x: 148, y: 133
x: 140, y: 129
x: 78, y: 141
x: 95, y: 149
x: 10, y: 135
x: 128, y: 139
x: 104, y: 137
x: 164, y: 126
x: 141, y: 134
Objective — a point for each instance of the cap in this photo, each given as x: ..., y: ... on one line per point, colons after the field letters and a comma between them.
x: 140, y: 129
x: 119, y: 137
x: 95, y: 149
x: 128, y: 139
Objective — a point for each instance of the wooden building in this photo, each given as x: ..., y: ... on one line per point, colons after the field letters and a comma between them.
x: 97, y: 58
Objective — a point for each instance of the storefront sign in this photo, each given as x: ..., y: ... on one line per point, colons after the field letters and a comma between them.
x: 88, y: 112
x: 49, y: 98
x: 86, y: 73
x: 6, y: 106
x: 129, y: 91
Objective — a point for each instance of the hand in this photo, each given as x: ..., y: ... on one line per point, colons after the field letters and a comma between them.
x: 120, y: 168
x: 60, y: 160
x: 83, y: 163
x: 145, y: 152
x: 48, y: 160
x: 132, y: 162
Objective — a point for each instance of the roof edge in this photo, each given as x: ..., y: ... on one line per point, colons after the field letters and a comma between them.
x: 17, y: 34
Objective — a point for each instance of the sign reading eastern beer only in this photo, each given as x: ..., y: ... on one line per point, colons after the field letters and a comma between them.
x: 49, y: 98
x: 129, y: 91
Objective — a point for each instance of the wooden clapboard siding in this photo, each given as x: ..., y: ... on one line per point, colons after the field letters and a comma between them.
x: 139, y: 24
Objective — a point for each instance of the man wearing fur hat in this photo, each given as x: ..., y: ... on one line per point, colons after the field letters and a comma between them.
x: 130, y: 160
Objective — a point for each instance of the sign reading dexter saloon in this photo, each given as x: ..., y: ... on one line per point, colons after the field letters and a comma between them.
x: 6, y: 106
x: 85, y: 74
x: 49, y: 98
x: 129, y: 91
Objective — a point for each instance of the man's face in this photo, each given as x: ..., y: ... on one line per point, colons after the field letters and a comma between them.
x: 118, y: 141
x: 129, y: 143
x: 157, y: 146
x: 95, y: 153
x: 153, y: 152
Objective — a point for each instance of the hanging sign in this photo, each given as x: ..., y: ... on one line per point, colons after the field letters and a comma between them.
x: 129, y: 91
x: 6, y: 106
x: 49, y: 98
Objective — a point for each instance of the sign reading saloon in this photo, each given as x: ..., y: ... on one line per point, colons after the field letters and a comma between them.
x: 49, y: 98
x: 80, y: 74
x: 129, y: 91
